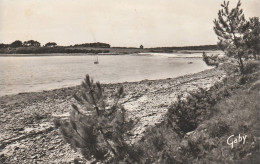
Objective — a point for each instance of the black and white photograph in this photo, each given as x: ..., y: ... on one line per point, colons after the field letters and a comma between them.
x: 129, y: 82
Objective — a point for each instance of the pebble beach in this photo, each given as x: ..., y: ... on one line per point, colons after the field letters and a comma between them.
x: 27, y: 133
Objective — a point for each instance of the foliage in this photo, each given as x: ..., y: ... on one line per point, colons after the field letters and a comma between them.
x: 196, y: 127
x: 16, y: 44
x: 85, y: 51
x: 96, y: 45
x: 3, y: 45
x: 230, y: 28
x: 210, y: 60
x: 31, y: 43
x: 96, y: 128
x: 170, y: 49
x: 252, y: 66
x: 190, y: 111
x: 42, y: 50
x: 235, y: 117
x: 252, y: 37
x: 230, y: 68
x: 50, y: 44
x: 159, y: 145
x: 34, y: 47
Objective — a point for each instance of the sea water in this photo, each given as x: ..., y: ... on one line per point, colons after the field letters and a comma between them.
x: 38, y: 73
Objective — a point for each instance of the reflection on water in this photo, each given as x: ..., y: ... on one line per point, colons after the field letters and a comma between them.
x: 26, y: 74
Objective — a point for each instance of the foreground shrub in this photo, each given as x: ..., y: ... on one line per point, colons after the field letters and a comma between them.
x: 95, y: 128
x: 251, y: 66
x: 230, y: 68
x: 234, y: 118
x: 188, y: 112
x: 250, y: 72
x: 231, y: 27
x: 185, y: 112
x: 210, y: 60
x: 197, y: 126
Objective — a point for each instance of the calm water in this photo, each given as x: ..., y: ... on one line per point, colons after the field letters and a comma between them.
x: 26, y: 74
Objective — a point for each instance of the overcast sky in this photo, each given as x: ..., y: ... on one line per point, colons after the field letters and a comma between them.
x: 117, y: 22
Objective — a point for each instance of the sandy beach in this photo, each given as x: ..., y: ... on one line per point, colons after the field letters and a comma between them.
x: 27, y: 132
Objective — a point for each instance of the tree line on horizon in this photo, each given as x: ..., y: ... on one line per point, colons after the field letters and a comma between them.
x: 200, y: 47
x: 34, y: 43
x: 29, y: 43
x: 34, y: 47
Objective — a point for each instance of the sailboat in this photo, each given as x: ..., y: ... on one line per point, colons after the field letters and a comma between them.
x: 96, y: 61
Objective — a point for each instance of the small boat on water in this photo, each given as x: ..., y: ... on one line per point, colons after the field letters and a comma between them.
x: 96, y: 61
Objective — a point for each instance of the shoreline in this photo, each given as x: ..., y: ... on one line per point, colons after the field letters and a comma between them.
x: 27, y: 118
x: 59, y: 54
x: 76, y: 87
x: 106, y: 54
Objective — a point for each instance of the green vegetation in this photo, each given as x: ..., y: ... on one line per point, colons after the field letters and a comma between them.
x: 98, y: 129
x: 34, y: 47
x: 172, y: 49
x: 47, y: 49
x: 198, y: 126
x: 96, y: 45
x: 252, y: 38
x: 16, y: 44
x: 31, y: 43
x: 50, y: 44
x: 3, y: 46
x: 195, y: 128
x: 210, y: 60
x: 236, y: 35
x: 52, y: 47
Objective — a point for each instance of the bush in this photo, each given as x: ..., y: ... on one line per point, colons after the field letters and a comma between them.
x: 251, y: 66
x: 188, y: 113
x: 210, y: 60
x: 158, y: 145
x: 229, y: 68
x: 196, y: 127
x: 96, y: 128
x: 218, y: 129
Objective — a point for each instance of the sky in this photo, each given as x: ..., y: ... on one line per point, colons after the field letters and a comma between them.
x: 128, y: 23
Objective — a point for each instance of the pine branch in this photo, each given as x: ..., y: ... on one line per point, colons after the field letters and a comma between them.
x: 101, y: 131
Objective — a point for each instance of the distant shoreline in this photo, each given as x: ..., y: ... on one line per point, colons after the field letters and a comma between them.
x: 42, y: 51
x: 108, y: 54
x: 57, y: 54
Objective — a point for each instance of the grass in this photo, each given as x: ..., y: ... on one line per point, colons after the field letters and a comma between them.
x: 196, y: 129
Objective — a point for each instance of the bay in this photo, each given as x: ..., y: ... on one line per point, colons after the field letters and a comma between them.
x: 38, y: 73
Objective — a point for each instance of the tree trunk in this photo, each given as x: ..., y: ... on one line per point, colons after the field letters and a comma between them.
x: 254, y: 55
x: 99, y: 127
x: 241, y: 65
